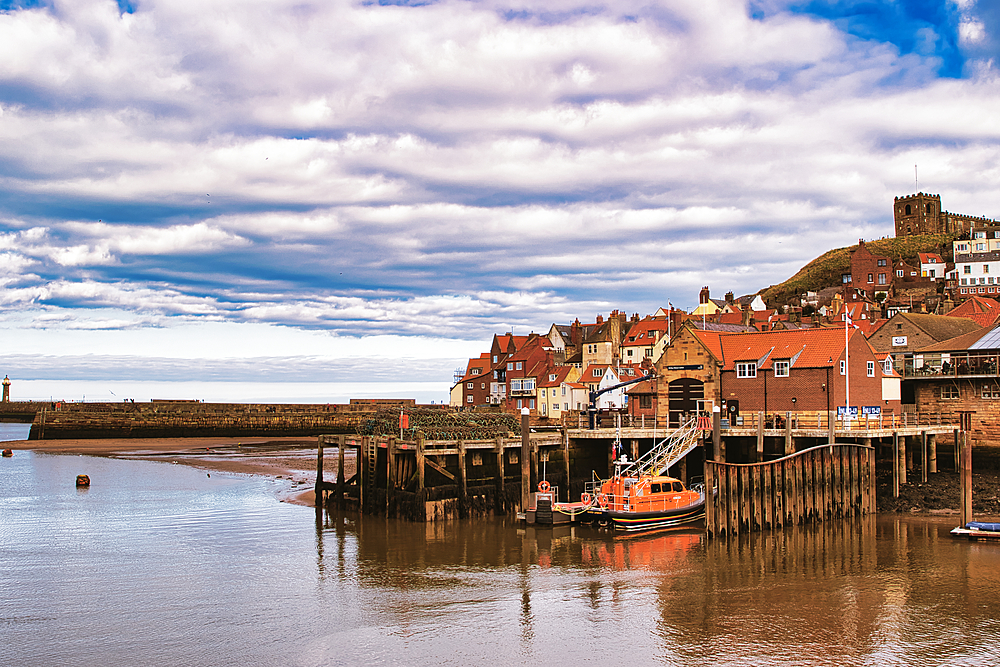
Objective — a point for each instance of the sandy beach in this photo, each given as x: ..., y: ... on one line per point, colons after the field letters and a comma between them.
x: 292, y: 459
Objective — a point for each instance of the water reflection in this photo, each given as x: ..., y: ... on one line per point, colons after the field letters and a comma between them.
x: 865, y: 591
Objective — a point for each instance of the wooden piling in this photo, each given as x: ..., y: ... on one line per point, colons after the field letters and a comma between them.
x: 341, y: 486
x: 789, y: 448
x: 923, y: 457
x: 932, y: 453
x: 525, y: 459
x: 421, y: 459
x: 760, y: 437
x: 463, y: 485
x: 966, y: 479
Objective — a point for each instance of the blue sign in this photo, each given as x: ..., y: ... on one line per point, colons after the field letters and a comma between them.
x: 872, y: 410
x: 841, y: 410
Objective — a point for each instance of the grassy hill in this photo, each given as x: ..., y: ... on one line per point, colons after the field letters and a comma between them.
x: 825, y: 270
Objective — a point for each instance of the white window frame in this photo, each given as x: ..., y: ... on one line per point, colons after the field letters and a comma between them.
x: 843, y: 367
x: 782, y: 368
x: 746, y: 369
x: 871, y: 369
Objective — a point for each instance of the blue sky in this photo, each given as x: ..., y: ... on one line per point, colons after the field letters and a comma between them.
x: 341, y: 185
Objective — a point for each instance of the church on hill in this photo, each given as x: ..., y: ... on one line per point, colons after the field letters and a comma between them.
x: 922, y: 214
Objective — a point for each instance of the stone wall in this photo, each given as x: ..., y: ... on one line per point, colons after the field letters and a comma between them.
x: 167, y: 419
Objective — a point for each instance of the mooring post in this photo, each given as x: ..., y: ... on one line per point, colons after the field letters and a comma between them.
x: 500, y: 501
x: 831, y: 436
x: 904, y: 459
x: 525, y: 458
x: 391, y: 483
x: 932, y: 453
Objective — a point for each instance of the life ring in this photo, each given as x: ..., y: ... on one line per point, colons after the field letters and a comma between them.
x: 544, y: 486
x: 602, y: 499
x: 585, y: 498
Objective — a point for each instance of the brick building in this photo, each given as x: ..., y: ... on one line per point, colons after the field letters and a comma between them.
x: 870, y: 273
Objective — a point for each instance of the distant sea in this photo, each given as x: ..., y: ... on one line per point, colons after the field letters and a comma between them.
x: 225, y: 392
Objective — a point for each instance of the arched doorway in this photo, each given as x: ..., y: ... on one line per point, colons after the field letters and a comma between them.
x: 683, y: 397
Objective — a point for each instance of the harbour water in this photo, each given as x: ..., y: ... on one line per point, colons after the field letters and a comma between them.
x: 160, y: 564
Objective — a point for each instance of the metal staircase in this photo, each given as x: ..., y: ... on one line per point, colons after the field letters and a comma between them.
x: 669, y: 451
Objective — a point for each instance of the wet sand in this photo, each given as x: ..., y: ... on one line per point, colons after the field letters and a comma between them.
x: 292, y: 459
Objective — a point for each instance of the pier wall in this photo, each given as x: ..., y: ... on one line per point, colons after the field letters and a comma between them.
x: 172, y: 419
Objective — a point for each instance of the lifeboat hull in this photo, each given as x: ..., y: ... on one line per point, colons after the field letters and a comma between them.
x: 633, y: 522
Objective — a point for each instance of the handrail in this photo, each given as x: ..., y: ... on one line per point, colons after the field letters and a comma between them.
x: 792, y: 455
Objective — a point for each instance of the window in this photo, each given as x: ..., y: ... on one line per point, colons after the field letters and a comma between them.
x: 494, y: 358
x: 565, y: 406
x: 967, y: 268
x: 899, y: 272
x: 986, y: 268
x: 843, y: 367
x: 979, y: 235
x: 475, y: 371
x: 531, y: 403
x: 908, y: 210
x: 515, y: 385
x: 881, y: 262
x: 746, y: 369
x: 929, y: 209
x: 518, y: 367
x: 552, y: 378
x: 888, y: 366
x: 528, y: 384
x: 510, y: 366
x: 483, y: 386
x: 949, y: 392
x: 980, y: 246
x: 965, y: 281
x: 468, y: 399
x: 881, y: 279
x: 961, y: 247
x: 564, y: 392
x: 597, y: 372
x: 871, y: 369
x: 871, y: 278
x: 645, y: 402
x: 781, y: 369
x: 470, y: 385
x: 628, y: 353
x: 991, y: 391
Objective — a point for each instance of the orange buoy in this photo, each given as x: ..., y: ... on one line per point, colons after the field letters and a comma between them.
x: 585, y: 498
x: 7, y: 453
x: 83, y: 480
x: 544, y: 486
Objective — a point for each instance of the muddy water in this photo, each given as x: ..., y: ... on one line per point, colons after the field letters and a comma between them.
x: 158, y: 564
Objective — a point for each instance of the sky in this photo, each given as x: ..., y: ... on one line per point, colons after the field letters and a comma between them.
x: 347, y: 192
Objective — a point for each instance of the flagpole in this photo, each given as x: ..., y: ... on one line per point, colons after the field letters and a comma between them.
x: 847, y: 367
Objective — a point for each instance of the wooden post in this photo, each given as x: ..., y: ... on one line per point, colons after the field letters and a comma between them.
x: 525, y: 458
x: 566, y: 461
x: 461, y: 468
x: 319, y: 471
x: 391, y: 478
x: 955, y: 451
x: 710, y: 500
x: 760, y: 437
x: 924, y: 457
x: 499, y: 505
x: 420, y: 462
x: 832, y: 432
x: 895, y: 464
x: 901, y: 454
x: 932, y: 453
x: 789, y: 448
x: 966, y: 479
x: 341, y: 487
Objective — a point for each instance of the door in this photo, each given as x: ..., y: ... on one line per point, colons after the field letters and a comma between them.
x: 684, y: 395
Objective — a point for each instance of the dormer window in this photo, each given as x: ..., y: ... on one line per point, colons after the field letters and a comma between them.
x: 597, y: 372
x: 781, y: 368
x: 746, y: 369
x: 552, y: 377
x: 476, y: 371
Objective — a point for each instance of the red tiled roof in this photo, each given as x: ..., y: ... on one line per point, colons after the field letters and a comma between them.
x: 640, y: 331
x: 816, y: 348
x: 983, y: 312
x: 560, y: 373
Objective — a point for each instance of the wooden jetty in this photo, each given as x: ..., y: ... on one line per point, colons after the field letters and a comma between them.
x: 764, y: 472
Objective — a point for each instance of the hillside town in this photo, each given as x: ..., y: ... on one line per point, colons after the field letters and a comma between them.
x: 897, y: 334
